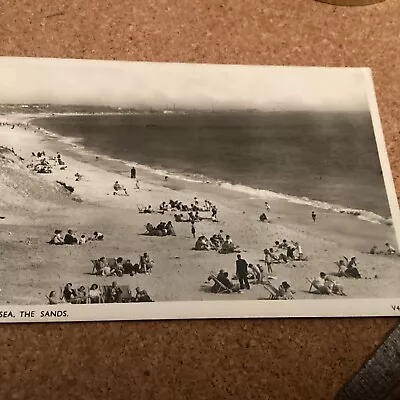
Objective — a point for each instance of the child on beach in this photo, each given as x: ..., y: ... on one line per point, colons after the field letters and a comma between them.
x: 52, y: 298
x: 390, y: 250
x: 269, y: 259
x: 314, y: 216
x: 57, y: 239
x: 82, y: 239
x: 117, y: 187
x: 193, y: 230
x: 97, y: 236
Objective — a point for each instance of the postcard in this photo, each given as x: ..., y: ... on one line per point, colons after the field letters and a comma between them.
x: 134, y: 191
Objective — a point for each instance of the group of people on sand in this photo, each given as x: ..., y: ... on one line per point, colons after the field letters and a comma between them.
x: 162, y: 229
x: 348, y: 268
x: 217, y: 242
x: 118, y: 187
x: 71, y: 238
x: 326, y: 284
x: 193, y: 217
x: 247, y: 273
x: 389, y: 251
x: 176, y: 205
x: 41, y: 164
x: 95, y: 294
x: 118, y: 266
x: 283, y: 252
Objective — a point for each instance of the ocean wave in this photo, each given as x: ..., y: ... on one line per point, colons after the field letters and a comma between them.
x: 264, y: 194
x: 267, y: 194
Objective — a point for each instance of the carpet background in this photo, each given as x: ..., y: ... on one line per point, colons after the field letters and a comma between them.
x: 221, y: 359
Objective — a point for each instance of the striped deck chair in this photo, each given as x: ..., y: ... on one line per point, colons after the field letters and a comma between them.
x: 320, y: 289
x: 221, y: 288
x: 273, y: 291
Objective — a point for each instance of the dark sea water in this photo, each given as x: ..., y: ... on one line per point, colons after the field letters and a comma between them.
x: 323, y: 156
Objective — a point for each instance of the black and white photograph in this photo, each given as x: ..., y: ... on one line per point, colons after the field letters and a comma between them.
x: 199, y: 191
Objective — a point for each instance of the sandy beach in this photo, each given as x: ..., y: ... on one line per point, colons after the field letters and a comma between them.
x: 34, y: 206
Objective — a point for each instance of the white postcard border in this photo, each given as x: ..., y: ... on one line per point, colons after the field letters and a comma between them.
x: 233, y: 309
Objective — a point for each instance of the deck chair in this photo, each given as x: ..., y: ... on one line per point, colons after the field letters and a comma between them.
x: 321, y: 289
x: 273, y: 291
x: 101, y: 297
x: 126, y: 295
x: 221, y: 288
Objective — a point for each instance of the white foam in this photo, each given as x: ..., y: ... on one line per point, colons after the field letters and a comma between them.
x: 364, y: 215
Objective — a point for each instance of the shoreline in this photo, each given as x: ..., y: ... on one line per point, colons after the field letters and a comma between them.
x: 252, y: 192
x: 336, y: 234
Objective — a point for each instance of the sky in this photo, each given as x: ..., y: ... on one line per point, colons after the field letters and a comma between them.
x: 187, y: 86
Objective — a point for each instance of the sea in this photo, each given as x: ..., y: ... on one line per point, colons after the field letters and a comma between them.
x: 330, y: 158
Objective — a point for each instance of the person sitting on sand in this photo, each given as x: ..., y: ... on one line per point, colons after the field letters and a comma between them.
x: 118, y: 268
x: 57, y: 238
x: 52, y: 298
x: 70, y: 238
x: 285, y: 291
x: 170, y: 229
x: 69, y: 294
x: 390, y: 249
x: 228, y: 246
x: 145, y: 263
x: 351, y: 270
x: 264, y: 218
x: 163, y: 206
x: 256, y: 273
x: 284, y: 244
x: 94, y: 293
x: 290, y: 253
x: 341, y: 268
x: 299, y: 249
x: 82, y: 240
x: 220, y: 236
x: 115, y: 293
x: 142, y: 296
x: 117, y: 187
x: 78, y: 177
x: 97, y: 236
x: 374, y: 249
x: 103, y: 267
x: 148, y: 210
x: 80, y: 295
x: 215, y: 241
x: 201, y: 244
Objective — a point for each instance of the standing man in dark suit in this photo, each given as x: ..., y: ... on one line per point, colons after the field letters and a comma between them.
x: 241, y: 272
